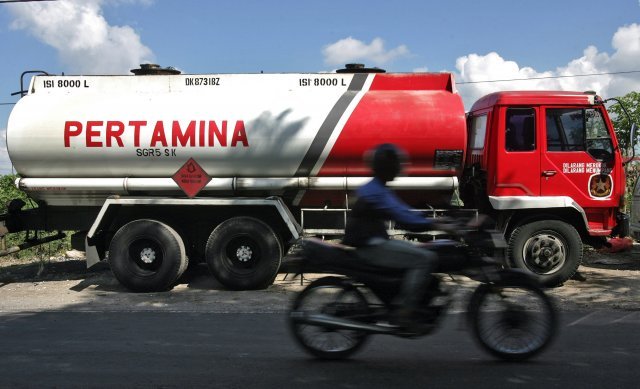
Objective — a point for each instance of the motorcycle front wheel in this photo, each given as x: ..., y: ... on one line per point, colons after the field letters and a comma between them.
x: 328, y: 297
x: 513, y: 321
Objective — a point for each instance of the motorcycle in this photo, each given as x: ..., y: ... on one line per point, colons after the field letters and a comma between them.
x: 509, y: 313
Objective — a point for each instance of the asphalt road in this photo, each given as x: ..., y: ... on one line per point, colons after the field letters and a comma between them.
x: 594, y: 349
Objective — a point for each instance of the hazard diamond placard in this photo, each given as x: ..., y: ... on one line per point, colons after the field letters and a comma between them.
x: 191, y: 178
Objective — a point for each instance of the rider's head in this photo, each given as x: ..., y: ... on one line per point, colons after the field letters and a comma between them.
x: 387, y: 161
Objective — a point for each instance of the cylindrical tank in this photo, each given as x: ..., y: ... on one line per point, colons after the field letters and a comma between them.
x: 233, y: 125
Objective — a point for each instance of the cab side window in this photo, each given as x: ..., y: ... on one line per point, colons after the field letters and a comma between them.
x: 571, y: 129
x: 565, y: 130
x: 520, y: 132
x: 478, y: 132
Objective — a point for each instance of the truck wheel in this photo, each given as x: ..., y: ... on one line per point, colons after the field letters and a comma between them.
x: 550, y: 249
x: 147, y: 256
x: 244, y: 253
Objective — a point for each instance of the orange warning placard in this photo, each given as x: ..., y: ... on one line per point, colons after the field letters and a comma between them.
x: 191, y: 178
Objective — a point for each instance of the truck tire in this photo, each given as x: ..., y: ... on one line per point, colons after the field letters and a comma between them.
x: 147, y: 256
x: 244, y: 253
x: 550, y: 249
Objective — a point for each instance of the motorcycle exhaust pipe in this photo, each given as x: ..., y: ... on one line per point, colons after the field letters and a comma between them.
x: 337, y: 323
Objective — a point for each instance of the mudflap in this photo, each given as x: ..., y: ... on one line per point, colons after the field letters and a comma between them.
x: 623, y: 228
x: 634, y: 223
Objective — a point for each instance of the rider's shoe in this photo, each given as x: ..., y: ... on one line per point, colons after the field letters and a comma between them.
x: 403, y: 317
x: 410, y: 321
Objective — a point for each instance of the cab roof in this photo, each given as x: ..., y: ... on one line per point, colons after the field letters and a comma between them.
x: 535, y: 98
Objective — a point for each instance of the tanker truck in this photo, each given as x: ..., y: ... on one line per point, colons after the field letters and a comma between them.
x: 158, y: 169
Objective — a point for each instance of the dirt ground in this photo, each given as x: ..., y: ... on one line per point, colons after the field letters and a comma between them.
x: 608, y: 281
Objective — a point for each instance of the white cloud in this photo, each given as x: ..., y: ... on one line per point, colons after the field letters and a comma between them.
x: 350, y: 50
x: 626, y: 43
x: 85, y: 41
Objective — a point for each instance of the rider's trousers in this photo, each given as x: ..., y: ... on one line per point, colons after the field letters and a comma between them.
x: 401, y: 254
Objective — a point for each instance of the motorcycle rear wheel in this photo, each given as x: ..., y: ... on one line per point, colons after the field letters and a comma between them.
x: 513, y: 321
x: 329, y: 296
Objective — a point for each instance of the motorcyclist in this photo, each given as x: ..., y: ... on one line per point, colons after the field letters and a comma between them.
x: 366, y: 230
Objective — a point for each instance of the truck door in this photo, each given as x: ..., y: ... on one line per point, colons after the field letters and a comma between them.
x: 520, y: 155
x: 578, y: 161
x: 635, y: 211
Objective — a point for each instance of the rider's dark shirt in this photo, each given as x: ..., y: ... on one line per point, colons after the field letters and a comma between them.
x: 377, y: 204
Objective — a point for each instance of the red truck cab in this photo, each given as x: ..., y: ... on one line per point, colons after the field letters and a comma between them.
x: 547, y: 165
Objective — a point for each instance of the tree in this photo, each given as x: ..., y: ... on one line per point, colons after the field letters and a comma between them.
x: 631, y: 102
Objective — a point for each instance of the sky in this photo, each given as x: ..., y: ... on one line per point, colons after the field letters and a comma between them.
x: 475, y: 40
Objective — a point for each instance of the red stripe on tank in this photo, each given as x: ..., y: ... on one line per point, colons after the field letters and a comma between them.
x: 420, y: 121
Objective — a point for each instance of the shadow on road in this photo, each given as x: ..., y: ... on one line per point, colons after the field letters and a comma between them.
x: 610, y: 280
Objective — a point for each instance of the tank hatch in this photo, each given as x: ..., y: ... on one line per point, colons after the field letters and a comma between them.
x: 359, y: 68
x: 147, y: 69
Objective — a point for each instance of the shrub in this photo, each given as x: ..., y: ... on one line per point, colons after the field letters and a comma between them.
x: 8, y: 192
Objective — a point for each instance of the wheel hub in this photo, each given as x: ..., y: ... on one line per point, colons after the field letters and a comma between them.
x: 544, y: 253
x: 514, y: 318
x: 147, y: 255
x: 244, y: 253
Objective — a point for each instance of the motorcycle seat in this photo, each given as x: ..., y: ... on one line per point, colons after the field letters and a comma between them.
x: 341, y: 257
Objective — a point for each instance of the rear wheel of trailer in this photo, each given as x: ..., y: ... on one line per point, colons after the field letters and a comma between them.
x: 244, y: 253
